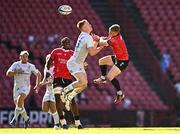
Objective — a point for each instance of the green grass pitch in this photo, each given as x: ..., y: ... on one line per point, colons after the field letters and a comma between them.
x: 91, y: 131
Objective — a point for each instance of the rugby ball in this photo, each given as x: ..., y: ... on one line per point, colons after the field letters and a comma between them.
x: 65, y: 9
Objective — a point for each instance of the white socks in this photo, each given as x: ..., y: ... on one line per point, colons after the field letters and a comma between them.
x: 119, y: 92
x: 68, y: 88
x: 77, y: 123
x: 72, y: 95
x: 17, y: 111
x: 55, y: 117
x: 24, y: 114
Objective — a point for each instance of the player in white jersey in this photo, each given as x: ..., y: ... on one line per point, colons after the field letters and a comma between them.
x: 84, y: 46
x: 48, y: 103
x: 21, y: 71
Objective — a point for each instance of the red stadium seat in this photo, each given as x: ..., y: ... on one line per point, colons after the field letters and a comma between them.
x: 166, y: 12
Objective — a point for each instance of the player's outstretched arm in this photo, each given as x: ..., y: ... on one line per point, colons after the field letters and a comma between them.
x: 103, y: 41
x: 94, y: 50
x: 95, y: 37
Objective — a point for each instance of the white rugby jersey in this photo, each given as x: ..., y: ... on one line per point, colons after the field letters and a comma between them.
x: 84, y: 42
x: 23, y: 79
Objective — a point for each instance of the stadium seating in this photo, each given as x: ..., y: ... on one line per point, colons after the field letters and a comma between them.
x: 161, y: 17
x: 20, y: 19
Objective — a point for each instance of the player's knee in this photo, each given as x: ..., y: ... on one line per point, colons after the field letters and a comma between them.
x: 45, y: 109
x: 84, y: 83
x: 53, y: 109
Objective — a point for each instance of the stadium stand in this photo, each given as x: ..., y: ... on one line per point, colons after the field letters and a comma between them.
x: 24, y: 19
x: 36, y: 26
x: 161, y: 18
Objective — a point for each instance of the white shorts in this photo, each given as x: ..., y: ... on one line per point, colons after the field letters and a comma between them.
x: 74, y: 67
x: 49, y: 96
x: 57, y: 90
x: 17, y: 91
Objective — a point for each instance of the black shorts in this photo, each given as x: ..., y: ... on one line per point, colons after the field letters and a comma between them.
x: 121, y: 64
x: 61, y: 82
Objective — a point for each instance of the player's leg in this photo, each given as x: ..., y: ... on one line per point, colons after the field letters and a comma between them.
x: 118, y: 67
x: 57, y: 89
x: 75, y: 111
x: 45, y: 106
x: 115, y: 71
x: 74, y: 107
x: 54, y: 114
x: 59, y: 107
x: 15, y: 117
x: 103, y: 63
x: 24, y: 113
x: 77, y: 70
x: 79, y: 85
x: 19, y: 101
x: 25, y: 90
x: 26, y: 117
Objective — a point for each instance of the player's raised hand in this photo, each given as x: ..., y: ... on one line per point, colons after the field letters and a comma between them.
x: 95, y: 37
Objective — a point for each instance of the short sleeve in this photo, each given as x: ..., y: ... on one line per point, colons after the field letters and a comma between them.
x: 12, y: 67
x: 90, y: 42
x: 33, y: 69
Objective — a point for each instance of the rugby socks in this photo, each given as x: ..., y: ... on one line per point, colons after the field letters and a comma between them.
x: 72, y: 95
x: 68, y: 88
x: 77, y: 121
x: 55, y: 117
x: 17, y: 112
x: 119, y: 92
x: 103, y: 69
x: 116, y: 84
x: 24, y: 114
